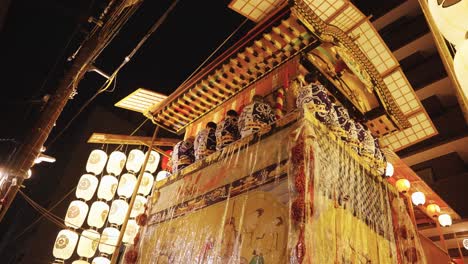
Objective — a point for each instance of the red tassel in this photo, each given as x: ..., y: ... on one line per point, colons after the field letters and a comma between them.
x: 131, y: 256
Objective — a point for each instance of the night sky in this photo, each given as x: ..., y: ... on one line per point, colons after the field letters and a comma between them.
x: 35, y: 41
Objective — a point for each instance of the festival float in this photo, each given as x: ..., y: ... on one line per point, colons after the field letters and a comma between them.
x: 299, y: 189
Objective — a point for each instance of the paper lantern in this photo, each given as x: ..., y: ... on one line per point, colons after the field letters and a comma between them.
x: 101, y: 260
x: 107, y: 187
x: 460, y: 65
x: 162, y: 175
x: 418, y: 198
x: 126, y: 185
x: 29, y: 174
x: 108, y: 241
x: 433, y: 210
x: 80, y: 261
x: 146, y: 184
x: 450, y: 19
x: 76, y: 214
x: 65, y: 244
x: 389, y: 170
x: 116, y: 163
x: 445, y: 220
x: 98, y: 214
x: 87, y: 246
x: 403, y: 185
x: 135, y: 159
x: 138, y: 206
x: 130, y: 231
x: 118, y: 211
x: 465, y: 243
x: 96, y: 161
x: 153, y: 161
x: 87, y: 185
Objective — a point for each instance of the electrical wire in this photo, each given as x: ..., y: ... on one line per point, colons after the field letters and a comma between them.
x: 111, y: 79
x: 215, y: 51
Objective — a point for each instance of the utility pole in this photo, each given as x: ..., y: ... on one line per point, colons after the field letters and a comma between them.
x: 35, y: 139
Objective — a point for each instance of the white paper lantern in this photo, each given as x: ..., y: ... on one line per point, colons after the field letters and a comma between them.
x: 116, y: 162
x: 403, y: 185
x: 460, y: 66
x: 65, y: 244
x: 87, y: 185
x: 389, y: 170
x: 76, y: 214
x: 126, y: 185
x: 450, y: 20
x: 101, y: 260
x: 96, y: 161
x: 138, y: 206
x: 445, y: 220
x: 465, y: 243
x: 162, y: 175
x: 153, y: 161
x: 130, y: 231
x: 135, y: 159
x: 418, y: 198
x: 80, y: 261
x: 108, y: 241
x: 146, y: 184
x: 29, y: 174
x: 98, y: 214
x: 118, y: 211
x: 87, y: 246
x: 107, y: 187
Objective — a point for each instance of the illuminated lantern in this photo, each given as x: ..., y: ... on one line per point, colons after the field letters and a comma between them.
x: 153, y: 161
x: 80, y: 261
x: 88, y: 243
x: 116, y: 163
x: 433, y: 210
x: 162, y: 175
x: 445, y: 220
x: 29, y: 174
x: 100, y: 260
x: 450, y: 19
x: 86, y: 187
x: 118, y: 211
x: 135, y: 159
x: 76, y: 214
x: 146, y: 184
x: 403, y: 185
x: 389, y: 170
x: 418, y: 198
x: 96, y: 161
x: 138, y: 206
x: 465, y: 243
x: 65, y: 244
x: 126, y: 185
x: 130, y: 231
x: 98, y: 214
x: 107, y: 187
x: 460, y: 65
x: 108, y: 241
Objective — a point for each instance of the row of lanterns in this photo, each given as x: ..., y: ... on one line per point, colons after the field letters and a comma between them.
x: 90, y: 239
x: 419, y: 199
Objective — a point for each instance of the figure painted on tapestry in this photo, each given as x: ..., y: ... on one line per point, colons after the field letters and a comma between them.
x: 227, y: 130
x: 205, y: 141
x: 314, y: 96
x: 182, y: 154
x: 256, y: 116
x: 229, y: 243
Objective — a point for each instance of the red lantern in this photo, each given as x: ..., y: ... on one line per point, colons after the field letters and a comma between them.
x: 165, y: 160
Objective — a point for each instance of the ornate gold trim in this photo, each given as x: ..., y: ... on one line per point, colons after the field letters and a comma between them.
x: 330, y: 33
